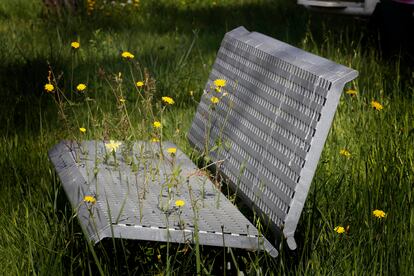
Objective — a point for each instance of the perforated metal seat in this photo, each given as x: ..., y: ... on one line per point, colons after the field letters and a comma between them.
x: 272, y: 121
x: 268, y: 129
x: 136, y: 194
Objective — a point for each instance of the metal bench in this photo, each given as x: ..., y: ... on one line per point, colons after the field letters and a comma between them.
x: 265, y: 135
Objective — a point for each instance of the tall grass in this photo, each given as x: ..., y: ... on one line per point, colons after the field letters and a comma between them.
x: 176, y: 42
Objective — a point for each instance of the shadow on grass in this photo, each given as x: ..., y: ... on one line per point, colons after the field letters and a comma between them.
x: 21, y: 94
x: 284, y: 20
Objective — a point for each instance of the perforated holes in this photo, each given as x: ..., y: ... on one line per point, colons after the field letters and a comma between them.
x: 287, y: 84
x: 298, y: 89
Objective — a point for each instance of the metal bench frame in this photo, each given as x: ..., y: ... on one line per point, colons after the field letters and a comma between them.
x: 283, y: 101
x: 267, y: 133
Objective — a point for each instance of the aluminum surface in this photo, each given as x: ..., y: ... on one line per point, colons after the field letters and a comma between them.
x: 136, y: 191
x: 271, y: 122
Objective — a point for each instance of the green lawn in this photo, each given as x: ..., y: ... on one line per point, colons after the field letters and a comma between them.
x: 174, y: 43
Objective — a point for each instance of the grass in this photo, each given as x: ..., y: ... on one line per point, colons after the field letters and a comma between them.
x: 176, y: 42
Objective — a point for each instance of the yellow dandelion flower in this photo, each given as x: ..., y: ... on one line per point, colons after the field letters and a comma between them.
x: 220, y: 83
x: 379, y: 214
x: 81, y: 87
x: 122, y: 100
x: 140, y: 84
x: 49, y: 87
x: 112, y: 146
x: 82, y: 129
x: 127, y: 55
x: 75, y: 45
x: 179, y: 203
x: 167, y: 100
x: 214, y: 100
x: 155, y: 140
x: 172, y: 150
x: 345, y: 153
x: 156, y: 124
x: 89, y: 199
x: 339, y: 229
x: 376, y: 105
x: 351, y: 92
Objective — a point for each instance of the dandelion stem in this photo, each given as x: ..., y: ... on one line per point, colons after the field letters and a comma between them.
x: 71, y: 75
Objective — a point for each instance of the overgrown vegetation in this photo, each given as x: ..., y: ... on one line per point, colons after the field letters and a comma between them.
x: 176, y: 43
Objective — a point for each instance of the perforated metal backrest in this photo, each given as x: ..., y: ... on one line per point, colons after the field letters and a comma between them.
x: 271, y: 121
